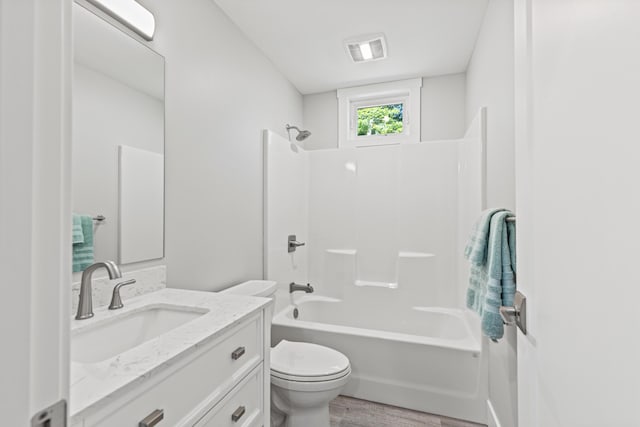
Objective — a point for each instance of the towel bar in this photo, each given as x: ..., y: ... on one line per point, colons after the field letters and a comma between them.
x: 517, y: 314
x: 511, y: 219
x: 99, y: 218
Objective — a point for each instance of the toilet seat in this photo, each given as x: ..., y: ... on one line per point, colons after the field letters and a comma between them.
x: 311, y: 386
x: 307, y: 362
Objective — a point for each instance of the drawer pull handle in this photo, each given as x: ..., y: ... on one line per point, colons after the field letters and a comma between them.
x: 238, y: 414
x: 237, y: 353
x: 152, y: 419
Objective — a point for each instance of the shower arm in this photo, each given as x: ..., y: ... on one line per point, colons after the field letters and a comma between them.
x: 302, y: 134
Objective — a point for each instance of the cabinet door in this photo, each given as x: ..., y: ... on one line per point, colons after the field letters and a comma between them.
x: 241, y: 408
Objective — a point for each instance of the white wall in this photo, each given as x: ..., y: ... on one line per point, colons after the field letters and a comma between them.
x: 442, y: 112
x: 321, y: 118
x: 490, y: 78
x: 443, y: 107
x: 490, y: 84
x: 221, y: 92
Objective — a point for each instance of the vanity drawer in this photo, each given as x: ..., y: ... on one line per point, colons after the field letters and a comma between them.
x: 241, y: 408
x: 187, y: 390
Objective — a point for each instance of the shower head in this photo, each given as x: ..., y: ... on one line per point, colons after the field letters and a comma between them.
x: 302, y: 134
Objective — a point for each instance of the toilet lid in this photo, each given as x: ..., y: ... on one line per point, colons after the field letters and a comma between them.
x: 292, y: 360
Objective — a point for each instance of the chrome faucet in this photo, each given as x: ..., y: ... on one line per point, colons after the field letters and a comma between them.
x: 295, y: 287
x: 85, y: 305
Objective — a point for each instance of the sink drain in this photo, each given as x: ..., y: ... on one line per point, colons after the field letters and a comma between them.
x: 296, y: 313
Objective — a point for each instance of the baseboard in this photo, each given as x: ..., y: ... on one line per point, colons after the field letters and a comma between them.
x: 464, y: 407
x: 492, y: 417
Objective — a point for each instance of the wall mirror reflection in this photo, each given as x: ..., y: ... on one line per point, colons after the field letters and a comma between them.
x: 118, y: 145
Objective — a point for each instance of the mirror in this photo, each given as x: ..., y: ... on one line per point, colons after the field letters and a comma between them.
x: 118, y: 141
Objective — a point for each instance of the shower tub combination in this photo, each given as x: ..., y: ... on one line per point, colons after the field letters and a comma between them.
x: 385, y: 229
x: 423, y: 358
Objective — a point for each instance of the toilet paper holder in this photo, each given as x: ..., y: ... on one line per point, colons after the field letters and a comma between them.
x: 517, y: 314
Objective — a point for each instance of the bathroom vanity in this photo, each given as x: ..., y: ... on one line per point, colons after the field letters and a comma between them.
x: 173, y: 358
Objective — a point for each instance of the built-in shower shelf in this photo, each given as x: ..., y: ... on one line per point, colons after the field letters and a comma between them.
x: 411, y: 269
x: 376, y: 284
x: 415, y: 255
x: 342, y: 251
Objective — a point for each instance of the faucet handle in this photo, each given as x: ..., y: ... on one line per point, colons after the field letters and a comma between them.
x: 293, y: 244
x: 116, y: 301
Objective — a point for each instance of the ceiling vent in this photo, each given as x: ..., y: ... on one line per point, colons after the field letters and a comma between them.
x: 367, y: 48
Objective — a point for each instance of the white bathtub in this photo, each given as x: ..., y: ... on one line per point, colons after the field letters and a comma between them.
x: 424, y: 358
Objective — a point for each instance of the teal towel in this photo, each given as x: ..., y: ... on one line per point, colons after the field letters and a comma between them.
x: 491, y: 251
x: 476, y: 250
x: 78, y: 236
x: 83, y: 252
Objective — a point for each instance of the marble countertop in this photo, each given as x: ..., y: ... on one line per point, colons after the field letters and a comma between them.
x: 93, y: 385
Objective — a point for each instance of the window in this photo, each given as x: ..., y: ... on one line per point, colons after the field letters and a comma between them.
x: 379, y: 114
x: 380, y: 119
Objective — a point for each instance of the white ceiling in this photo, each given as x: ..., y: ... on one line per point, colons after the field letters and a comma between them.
x: 305, y: 38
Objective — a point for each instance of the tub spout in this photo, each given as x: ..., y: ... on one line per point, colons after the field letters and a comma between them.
x: 295, y: 287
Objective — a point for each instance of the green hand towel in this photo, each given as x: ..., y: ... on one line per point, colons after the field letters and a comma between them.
x: 83, y: 252
x: 78, y: 236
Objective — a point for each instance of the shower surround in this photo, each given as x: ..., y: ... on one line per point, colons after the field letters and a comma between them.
x: 385, y: 229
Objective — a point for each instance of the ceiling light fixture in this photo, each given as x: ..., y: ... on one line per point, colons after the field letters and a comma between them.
x: 130, y: 13
x: 367, y: 48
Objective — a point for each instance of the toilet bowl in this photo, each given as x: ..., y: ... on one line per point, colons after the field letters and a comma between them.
x: 305, y: 377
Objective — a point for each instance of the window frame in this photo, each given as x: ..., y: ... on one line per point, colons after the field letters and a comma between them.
x: 406, y: 92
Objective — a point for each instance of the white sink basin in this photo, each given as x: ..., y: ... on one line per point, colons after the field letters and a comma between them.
x: 114, y: 336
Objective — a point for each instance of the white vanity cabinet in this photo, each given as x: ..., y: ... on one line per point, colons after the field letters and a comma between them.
x: 223, y: 381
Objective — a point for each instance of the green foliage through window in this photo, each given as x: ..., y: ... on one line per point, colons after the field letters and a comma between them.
x: 380, y: 120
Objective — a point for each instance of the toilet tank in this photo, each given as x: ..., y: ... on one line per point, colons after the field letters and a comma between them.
x: 253, y: 288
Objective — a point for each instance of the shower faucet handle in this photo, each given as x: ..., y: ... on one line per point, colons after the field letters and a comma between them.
x: 293, y: 244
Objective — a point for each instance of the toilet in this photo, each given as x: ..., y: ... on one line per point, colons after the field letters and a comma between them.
x: 305, y: 377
